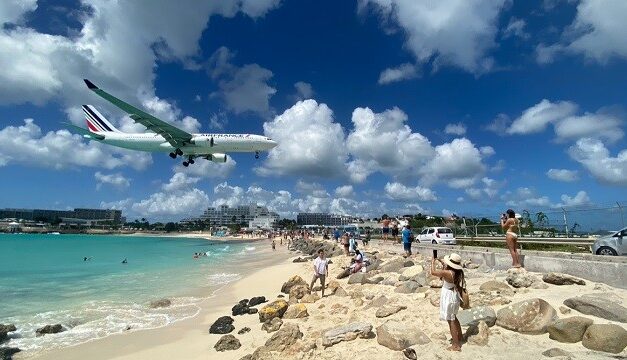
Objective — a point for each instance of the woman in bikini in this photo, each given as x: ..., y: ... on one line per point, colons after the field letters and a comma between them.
x: 509, y: 223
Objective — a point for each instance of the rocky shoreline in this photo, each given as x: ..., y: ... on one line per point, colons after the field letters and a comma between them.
x: 391, y: 312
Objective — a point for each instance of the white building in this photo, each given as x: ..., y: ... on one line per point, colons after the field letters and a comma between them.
x: 224, y: 215
x: 262, y: 222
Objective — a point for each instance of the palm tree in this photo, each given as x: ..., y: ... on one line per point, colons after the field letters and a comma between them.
x: 542, y: 219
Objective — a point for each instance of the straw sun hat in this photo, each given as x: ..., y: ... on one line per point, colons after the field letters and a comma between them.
x: 454, y: 261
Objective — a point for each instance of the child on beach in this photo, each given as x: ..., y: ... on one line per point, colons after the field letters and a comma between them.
x: 454, y: 284
x: 273, y: 245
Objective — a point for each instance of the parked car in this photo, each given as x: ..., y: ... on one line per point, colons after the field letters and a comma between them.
x: 437, y: 235
x: 612, y: 244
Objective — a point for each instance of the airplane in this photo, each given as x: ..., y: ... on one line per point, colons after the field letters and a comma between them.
x: 165, y: 137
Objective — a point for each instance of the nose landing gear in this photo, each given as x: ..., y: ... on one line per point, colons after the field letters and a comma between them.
x: 256, y: 154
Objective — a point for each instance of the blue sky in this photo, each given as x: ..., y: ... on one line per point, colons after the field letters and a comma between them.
x: 378, y: 106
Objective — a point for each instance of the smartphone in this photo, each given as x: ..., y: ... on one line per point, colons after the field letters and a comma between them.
x: 435, y: 253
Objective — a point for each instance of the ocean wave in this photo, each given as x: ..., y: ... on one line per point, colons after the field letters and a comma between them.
x: 222, y: 278
x: 94, y: 320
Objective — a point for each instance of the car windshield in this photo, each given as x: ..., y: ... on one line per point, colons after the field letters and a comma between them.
x: 445, y: 231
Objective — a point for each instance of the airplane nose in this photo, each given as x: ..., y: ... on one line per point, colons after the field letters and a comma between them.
x: 273, y: 144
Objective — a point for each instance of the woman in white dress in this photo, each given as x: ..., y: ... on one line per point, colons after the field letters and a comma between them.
x: 452, y: 276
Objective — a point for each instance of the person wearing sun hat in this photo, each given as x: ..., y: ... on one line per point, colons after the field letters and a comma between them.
x: 453, y: 286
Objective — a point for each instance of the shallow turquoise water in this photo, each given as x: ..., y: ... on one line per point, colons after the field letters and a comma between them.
x: 45, y: 280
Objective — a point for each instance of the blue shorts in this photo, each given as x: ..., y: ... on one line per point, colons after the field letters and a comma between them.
x: 386, y: 230
x: 407, y: 247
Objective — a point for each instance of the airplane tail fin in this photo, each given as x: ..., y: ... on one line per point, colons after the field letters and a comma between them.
x: 96, y: 122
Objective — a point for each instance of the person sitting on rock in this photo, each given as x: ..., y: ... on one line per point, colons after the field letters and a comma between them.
x: 357, y: 263
x: 453, y: 285
x: 321, y: 269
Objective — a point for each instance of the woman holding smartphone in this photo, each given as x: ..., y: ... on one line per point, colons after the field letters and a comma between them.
x: 510, y: 225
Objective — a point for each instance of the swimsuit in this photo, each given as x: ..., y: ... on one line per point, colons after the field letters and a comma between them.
x: 513, y: 234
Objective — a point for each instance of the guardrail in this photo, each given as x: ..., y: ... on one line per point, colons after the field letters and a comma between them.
x: 533, y: 240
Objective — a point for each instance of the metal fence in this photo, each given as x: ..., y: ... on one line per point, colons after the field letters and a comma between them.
x: 567, y: 221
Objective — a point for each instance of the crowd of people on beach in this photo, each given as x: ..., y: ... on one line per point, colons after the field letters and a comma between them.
x: 449, y: 268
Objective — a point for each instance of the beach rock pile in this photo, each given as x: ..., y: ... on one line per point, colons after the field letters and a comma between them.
x: 562, y: 279
x: 299, y: 291
x: 5, y: 330
x: 244, y: 307
x: 274, y: 309
x: 223, y: 325
x: 569, y: 330
x: 598, y: 305
x: 525, y: 280
x: 605, y: 337
x: 6, y: 353
x: 49, y: 329
x: 227, y: 342
x: 161, y: 303
x: 296, y: 311
x: 293, y: 281
x: 311, y: 247
x: 280, y: 341
x: 347, y: 333
x: 531, y: 316
x: 396, y: 335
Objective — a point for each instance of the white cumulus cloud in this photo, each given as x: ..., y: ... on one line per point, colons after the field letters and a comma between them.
x: 458, y: 129
x: 562, y: 175
x: 596, y: 158
x: 116, y: 180
x: 398, y: 191
x: 537, y: 117
x: 402, y: 72
x: 345, y: 191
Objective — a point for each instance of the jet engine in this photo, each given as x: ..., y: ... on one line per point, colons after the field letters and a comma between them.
x: 216, y: 157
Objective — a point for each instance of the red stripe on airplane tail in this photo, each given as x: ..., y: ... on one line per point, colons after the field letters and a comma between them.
x: 91, y: 127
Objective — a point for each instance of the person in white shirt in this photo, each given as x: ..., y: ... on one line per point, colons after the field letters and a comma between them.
x: 321, y: 268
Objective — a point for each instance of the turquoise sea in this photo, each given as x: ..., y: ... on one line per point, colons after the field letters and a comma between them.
x: 45, y: 280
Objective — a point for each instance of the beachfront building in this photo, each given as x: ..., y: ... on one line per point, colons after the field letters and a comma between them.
x: 263, y: 222
x: 324, y: 219
x: 79, y: 215
x: 225, y: 215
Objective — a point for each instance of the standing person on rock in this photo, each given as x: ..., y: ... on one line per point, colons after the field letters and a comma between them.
x: 346, y: 244
x: 395, y: 231
x: 510, y: 225
x: 385, y: 226
x: 407, y: 240
x: 453, y: 285
x: 321, y: 268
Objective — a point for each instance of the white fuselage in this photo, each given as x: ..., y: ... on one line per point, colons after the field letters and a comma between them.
x: 201, y: 143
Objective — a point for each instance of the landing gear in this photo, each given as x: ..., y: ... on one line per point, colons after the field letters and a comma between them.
x: 185, y: 163
x: 178, y: 152
x: 256, y: 154
x: 190, y: 160
x: 173, y: 155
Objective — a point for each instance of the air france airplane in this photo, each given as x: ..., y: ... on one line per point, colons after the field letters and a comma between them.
x: 165, y: 137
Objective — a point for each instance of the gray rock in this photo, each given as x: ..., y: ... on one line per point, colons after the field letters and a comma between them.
x: 285, y: 337
x: 275, y: 309
x: 561, y: 279
x: 472, y: 316
x: 555, y: 352
x: 396, y: 335
x: 247, y: 357
x: 296, y: 311
x: 521, y: 280
x: 6, y: 353
x: 244, y: 330
x: 227, y: 342
x: 393, y: 265
x: 610, y: 338
x: 294, y: 280
x: 298, y: 291
x: 4, y: 330
x: 531, y: 316
x: 378, y: 302
x: 407, y: 287
x: 272, y: 325
x: 346, y: 333
x: 358, y: 278
x: 223, y: 325
x: 386, y: 311
x: 569, y: 330
x: 598, y: 305
x: 239, y: 309
x: 257, y: 300
x: 479, y: 334
x: 161, y: 303
x: 49, y: 329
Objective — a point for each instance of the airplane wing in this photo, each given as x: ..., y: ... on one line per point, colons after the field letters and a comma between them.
x: 172, y: 134
x: 84, y: 132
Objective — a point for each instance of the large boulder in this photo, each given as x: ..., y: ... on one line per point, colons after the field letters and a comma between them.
x: 272, y: 325
x: 522, y: 279
x: 6, y: 353
x: 310, y: 298
x: 293, y: 281
x: 49, y: 329
x: 288, y: 335
x: 5, y: 330
x: 386, y: 311
x: 346, y: 333
x: 569, y: 330
x: 223, y: 325
x: 274, y: 309
x: 332, y: 286
x: 227, y: 342
x: 298, y: 291
x: 495, y: 285
x: 358, y: 278
x: 556, y: 352
x: 531, y: 316
x: 240, y: 309
x: 610, y: 338
x: 411, y: 272
x: 397, y: 335
x: 161, y: 303
x: 408, y: 287
x: 562, y: 279
x: 473, y: 316
x: 598, y: 305
x: 296, y: 311
x: 257, y: 300
x: 378, y: 302
x: 393, y: 265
